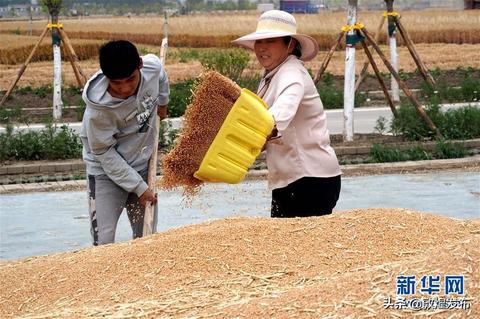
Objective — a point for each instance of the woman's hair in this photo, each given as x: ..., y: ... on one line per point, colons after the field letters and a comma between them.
x: 118, y: 59
x: 297, y: 50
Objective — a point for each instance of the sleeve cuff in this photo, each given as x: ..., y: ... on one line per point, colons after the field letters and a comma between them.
x: 162, y: 100
x: 140, y: 189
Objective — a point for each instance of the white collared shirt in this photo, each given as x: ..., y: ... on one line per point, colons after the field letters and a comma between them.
x: 304, y: 146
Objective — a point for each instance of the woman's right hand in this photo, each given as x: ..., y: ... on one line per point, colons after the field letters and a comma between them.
x: 271, y: 136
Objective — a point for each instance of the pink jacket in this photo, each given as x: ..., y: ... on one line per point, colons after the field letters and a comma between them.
x: 303, y: 148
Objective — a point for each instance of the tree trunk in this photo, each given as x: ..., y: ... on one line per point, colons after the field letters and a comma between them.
x: 57, y: 70
x: 349, y: 87
x: 392, y: 35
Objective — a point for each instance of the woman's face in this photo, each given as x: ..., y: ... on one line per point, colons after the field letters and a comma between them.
x: 271, y: 52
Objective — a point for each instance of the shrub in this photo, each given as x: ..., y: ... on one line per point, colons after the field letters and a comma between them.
x: 447, y: 149
x: 51, y: 143
x: 72, y: 89
x: 185, y: 55
x: 409, y: 124
x: 24, y: 90
x: 167, y: 136
x: 8, y: 115
x: 79, y: 111
x: 459, y: 123
x: 381, y: 125
x: 60, y: 143
x: 180, y: 96
x: 250, y: 82
x: 43, y: 91
x: 333, y: 98
x: 327, y: 78
x: 417, y: 153
x: 391, y: 153
x: 441, y: 92
x: 384, y: 153
x: 230, y: 62
x: 469, y: 90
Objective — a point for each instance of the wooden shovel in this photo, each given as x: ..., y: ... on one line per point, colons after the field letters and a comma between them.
x: 149, y: 221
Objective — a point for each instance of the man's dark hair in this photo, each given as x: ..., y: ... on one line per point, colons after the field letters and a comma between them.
x: 118, y: 59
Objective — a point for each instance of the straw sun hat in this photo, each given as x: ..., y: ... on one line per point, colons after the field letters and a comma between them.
x: 275, y: 24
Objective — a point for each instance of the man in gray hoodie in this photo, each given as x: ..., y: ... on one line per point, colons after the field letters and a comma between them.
x: 123, y: 100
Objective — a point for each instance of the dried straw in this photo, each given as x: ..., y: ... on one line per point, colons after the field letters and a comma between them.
x: 213, y: 99
x: 338, y: 266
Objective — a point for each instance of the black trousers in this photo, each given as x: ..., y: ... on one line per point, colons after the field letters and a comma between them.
x: 308, y: 196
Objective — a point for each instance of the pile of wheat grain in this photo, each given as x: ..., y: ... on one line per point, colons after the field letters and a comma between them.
x: 212, y: 100
x: 341, y: 265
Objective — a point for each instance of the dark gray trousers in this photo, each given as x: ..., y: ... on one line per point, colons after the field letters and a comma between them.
x: 106, y: 201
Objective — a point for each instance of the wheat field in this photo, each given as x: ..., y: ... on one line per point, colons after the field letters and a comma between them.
x: 441, y: 56
x: 238, y: 24
x: 444, y: 40
x: 217, y: 30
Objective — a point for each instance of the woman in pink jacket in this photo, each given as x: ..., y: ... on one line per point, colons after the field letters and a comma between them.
x: 303, y: 170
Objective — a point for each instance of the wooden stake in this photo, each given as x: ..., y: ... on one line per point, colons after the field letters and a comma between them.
x: 23, y: 67
x: 402, y: 84
x: 327, y: 58
x: 379, y: 77
x: 74, y: 61
x: 411, y: 47
x: 149, y: 222
x: 366, y: 63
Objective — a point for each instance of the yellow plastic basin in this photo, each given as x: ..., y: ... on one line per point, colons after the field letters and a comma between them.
x: 238, y: 142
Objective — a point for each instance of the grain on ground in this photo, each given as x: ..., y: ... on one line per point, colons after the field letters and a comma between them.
x: 339, y: 265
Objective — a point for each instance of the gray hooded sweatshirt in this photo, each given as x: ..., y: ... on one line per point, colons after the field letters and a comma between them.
x: 118, y: 134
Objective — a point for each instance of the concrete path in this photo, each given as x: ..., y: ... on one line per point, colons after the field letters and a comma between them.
x: 43, y: 223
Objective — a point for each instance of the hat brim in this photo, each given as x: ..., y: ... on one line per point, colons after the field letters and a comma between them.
x: 309, y: 45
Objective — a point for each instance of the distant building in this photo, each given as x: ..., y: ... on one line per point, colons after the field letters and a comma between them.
x: 298, y: 6
x: 472, y: 4
x: 262, y: 7
x: 400, y: 5
x: 20, y: 10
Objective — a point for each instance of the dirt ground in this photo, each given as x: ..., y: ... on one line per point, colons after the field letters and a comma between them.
x: 443, y: 59
x: 342, y: 265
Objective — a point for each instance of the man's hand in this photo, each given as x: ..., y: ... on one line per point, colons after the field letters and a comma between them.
x: 162, y: 111
x: 148, y: 196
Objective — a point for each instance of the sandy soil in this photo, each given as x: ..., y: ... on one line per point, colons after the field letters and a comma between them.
x: 338, y: 266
